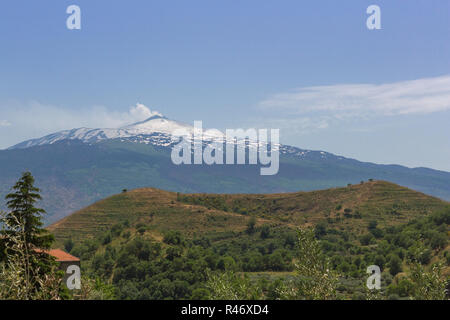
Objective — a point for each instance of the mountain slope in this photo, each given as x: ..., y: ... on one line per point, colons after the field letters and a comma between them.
x: 349, y: 208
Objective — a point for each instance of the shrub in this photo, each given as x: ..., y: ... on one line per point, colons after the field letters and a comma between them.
x: 68, y: 244
x: 251, y: 225
x: 265, y: 232
x: 395, y: 265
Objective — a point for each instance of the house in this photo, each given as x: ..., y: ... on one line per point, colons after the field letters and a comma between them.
x: 69, y: 264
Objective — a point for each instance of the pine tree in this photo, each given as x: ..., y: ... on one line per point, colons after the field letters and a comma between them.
x: 26, y: 265
x: 22, y: 210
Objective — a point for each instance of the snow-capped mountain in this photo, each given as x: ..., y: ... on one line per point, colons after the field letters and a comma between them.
x: 157, y: 130
x: 156, y: 125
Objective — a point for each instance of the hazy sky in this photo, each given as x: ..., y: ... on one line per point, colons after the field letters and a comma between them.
x: 310, y: 68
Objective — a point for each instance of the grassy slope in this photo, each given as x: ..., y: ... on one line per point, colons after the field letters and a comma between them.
x: 387, y: 203
x: 155, y: 208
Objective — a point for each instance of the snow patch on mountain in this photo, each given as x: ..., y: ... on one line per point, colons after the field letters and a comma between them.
x: 157, y: 123
x: 159, y: 131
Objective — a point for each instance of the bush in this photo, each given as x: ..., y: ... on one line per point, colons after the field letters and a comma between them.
x: 377, y: 233
x: 141, y: 230
x: 366, y: 239
x: 265, y: 232
x: 438, y: 241
x: 106, y: 239
x: 173, y: 237
x: 251, y: 225
x: 372, y: 225
x: 68, y: 245
x: 395, y: 265
x: 321, y: 229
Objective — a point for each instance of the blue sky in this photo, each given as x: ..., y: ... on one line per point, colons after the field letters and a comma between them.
x: 310, y: 68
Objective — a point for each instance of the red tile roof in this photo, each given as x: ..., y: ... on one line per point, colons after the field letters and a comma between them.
x: 60, y: 255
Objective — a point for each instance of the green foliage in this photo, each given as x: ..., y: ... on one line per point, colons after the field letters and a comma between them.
x: 231, y: 286
x: 372, y: 224
x: 428, y: 285
x: 366, y: 239
x: 177, y: 268
x: 404, y: 288
x: 144, y: 269
x: 68, y: 244
x: 251, y: 225
x: 96, y: 289
x: 26, y: 271
x: 265, y: 231
x: 22, y: 211
x: 320, y: 229
x: 315, y: 279
x: 21, y: 277
x: 24, y: 274
x: 173, y: 237
x: 395, y: 265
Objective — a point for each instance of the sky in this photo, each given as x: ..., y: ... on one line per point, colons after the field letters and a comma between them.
x: 310, y: 68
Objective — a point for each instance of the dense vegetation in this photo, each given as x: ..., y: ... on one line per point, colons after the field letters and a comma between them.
x: 177, y: 268
x: 142, y: 268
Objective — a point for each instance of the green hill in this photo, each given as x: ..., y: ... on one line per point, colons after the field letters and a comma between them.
x: 153, y: 244
x: 350, y: 208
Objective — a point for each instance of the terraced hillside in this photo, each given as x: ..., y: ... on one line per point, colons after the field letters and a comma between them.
x: 157, y: 209
x: 350, y: 208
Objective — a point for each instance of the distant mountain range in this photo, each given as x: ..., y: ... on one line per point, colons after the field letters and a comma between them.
x: 77, y: 167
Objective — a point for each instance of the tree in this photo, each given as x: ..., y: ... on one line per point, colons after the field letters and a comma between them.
x: 23, y: 212
x: 20, y: 275
x: 23, y: 238
x: 231, y: 286
x: 321, y: 229
x: 251, y: 225
x: 380, y: 261
x: 372, y: 224
x: 428, y: 285
x: 68, y: 244
x: 395, y: 265
x: 265, y: 231
x: 315, y: 279
x: 366, y: 239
